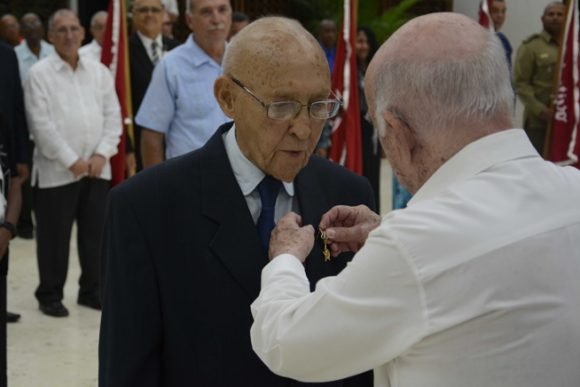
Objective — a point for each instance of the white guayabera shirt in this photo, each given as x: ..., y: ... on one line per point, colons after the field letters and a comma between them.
x: 72, y: 114
x: 475, y: 284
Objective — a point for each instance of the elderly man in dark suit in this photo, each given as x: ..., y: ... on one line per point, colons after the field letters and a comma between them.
x: 146, y: 46
x: 185, y: 240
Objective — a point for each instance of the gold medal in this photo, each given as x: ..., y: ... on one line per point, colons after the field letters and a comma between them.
x: 325, y: 250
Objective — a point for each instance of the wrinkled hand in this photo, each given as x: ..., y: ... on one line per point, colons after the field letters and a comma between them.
x: 347, y: 228
x: 96, y: 165
x: 290, y: 237
x: 79, y: 168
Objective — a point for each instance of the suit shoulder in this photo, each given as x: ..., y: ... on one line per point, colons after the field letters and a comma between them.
x: 163, y: 178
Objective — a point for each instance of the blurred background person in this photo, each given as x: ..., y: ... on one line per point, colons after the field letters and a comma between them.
x: 172, y: 9
x: 10, y: 30
x: 327, y: 39
x: 31, y: 50
x: 366, y: 46
x: 93, y: 49
x: 535, y: 68
x: 167, y: 29
x: 147, y: 46
x: 498, y: 13
x: 179, y: 112
x: 239, y: 21
x: 74, y: 115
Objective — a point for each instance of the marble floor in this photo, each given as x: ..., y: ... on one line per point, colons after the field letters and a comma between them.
x: 62, y: 352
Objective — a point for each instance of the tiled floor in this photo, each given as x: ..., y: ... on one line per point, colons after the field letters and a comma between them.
x: 61, y: 352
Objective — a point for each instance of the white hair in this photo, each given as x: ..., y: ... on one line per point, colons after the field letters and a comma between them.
x: 96, y: 15
x: 436, y: 94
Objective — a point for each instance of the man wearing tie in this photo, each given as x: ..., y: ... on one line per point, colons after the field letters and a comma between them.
x: 146, y: 47
x: 186, y: 240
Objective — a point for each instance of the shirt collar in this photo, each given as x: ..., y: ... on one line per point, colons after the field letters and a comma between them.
x: 147, y: 41
x: 28, y: 54
x: 476, y: 157
x: 547, y: 37
x: 246, y: 173
x: 58, y: 63
x: 199, y: 57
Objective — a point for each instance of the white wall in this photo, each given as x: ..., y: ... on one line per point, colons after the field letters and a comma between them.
x: 522, y: 20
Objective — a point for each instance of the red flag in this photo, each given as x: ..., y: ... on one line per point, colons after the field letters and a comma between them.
x: 346, y: 131
x: 484, y: 15
x: 563, y: 147
x: 115, y: 56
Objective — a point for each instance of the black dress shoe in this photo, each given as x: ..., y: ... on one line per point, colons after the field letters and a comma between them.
x: 12, y: 317
x: 54, y: 309
x: 90, y: 302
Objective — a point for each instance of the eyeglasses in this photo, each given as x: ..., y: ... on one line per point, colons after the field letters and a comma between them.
x: 286, y: 110
x: 148, y: 9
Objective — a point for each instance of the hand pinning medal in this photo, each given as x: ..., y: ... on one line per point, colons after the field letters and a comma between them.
x: 325, y: 250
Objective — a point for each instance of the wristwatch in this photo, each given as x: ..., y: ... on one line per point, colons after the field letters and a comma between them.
x: 10, y: 227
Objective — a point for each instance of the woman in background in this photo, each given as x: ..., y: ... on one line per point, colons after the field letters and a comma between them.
x: 366, y: 46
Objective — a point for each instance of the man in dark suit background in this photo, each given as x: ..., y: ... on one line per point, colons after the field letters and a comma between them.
x: 185, y: 240
x: 13, y: 151
x: 146, y: 47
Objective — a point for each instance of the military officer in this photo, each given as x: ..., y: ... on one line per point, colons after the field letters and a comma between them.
x: 534, y: 72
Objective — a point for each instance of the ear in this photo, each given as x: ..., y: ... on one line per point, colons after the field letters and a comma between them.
x: 50, y: 36
x: 222, y: 89
x: 82, y: 33
x: 401, y: 134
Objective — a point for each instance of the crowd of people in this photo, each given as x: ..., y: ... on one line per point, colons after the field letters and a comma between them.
x: 214, y: 229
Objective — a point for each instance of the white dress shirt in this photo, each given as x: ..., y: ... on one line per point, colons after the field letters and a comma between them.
x: 91, y: 50
x: 72, y: 114
x: 26, y: 58
x: 475, y: 284
x: 249, y: 176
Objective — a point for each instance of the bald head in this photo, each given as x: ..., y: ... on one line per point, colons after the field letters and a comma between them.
x: 275, y: 80
x: 32, y: 29
x: 267, y: 45
x: 10, y: 29
x: 553, y: 18
x: 443, y: 66
x: 439, y: 83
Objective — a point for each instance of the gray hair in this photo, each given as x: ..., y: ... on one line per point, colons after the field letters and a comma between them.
x: 430, y: 95
x: 59, y: 13
x: 96, y: 15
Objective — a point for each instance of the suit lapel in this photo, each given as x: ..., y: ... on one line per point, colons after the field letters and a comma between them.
x: 236, y: 242
x: 141, y: 52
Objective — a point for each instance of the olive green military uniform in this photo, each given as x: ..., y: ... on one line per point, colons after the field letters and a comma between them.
x: 534, y: 72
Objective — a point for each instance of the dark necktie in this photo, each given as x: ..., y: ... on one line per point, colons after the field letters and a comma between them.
x: 154, y: 53
x: 268, y: 189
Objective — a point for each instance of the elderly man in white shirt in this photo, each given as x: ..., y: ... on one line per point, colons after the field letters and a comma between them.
x: 476, y: 282
x: 93, y: 49
x: 74, y: 116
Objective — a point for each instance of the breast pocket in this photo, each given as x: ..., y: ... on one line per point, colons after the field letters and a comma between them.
x: 546, y: 65
x: 197, y: 98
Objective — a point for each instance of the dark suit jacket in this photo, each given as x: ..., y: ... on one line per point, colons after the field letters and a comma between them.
x: 181, y: 265
x: 141, y: 71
